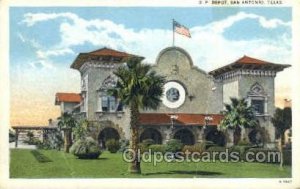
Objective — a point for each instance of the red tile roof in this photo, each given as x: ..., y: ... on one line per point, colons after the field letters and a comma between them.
x: 249, y: 63
x: 248, y: 60
x: 182, y: 119
x: 67, y: 97
x: 103, y: 52
x: 110, y: 52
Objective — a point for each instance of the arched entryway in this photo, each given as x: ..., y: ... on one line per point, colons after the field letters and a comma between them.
x: 185, y: 136
x: 151, y: 133
x: 256, y: 137
x: 217, y: 137
x: 106, y: 134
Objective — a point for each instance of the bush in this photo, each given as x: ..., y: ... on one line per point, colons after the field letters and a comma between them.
x: 112, y: 145
x: 265, y: 151
x: 244, y: 143
x: 85, y: 149
x: 241, y: 150
x: 34, y: 141
x: 158, y: 148
x: 199, y: 147
x: 174, y: 146
x: 124, y: 144
x: 209, y: 144
x: 216, y: 149
x: 287, y: 157
x: 44, y: 146
x: 144, y: 146
x: 148, y: 142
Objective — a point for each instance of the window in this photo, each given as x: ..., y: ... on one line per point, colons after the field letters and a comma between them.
x: 84, y: 103
x: 258, y: 106
x: 108, y: 103
x: 104, y: 103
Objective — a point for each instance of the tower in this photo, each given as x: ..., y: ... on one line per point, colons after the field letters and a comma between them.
x: 252, y: 79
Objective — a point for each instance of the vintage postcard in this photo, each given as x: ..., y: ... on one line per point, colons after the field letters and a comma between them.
x: 127, y: 94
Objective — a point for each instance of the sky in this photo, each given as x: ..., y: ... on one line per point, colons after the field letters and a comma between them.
x: 44, y: 41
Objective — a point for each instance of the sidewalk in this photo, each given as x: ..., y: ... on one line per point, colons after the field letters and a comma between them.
x: 21, y: 145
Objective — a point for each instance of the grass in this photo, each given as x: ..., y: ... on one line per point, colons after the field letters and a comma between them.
x: 24, y: 164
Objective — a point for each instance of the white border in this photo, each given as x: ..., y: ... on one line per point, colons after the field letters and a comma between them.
x: 179, y: 87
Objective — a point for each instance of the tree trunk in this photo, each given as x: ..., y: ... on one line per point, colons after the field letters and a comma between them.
x: 134, y: 166
x: 280, y: 150
x: 236, y: 135
x: 67, y: 140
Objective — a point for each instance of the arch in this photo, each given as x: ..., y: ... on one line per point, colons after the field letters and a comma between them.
x: 216, y: 136
x: 109, y: 82
x: 177, y: 49
x: 151, y: 133
x: 257, y: 136
x: 256, y: 90
x: 185, y: 136
x: 106, y: 134
x: 184, y: 52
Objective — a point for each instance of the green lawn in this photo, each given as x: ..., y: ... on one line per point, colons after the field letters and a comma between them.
x: 23, y: 164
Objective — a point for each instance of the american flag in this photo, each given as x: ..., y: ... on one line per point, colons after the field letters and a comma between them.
x: 181, y: 29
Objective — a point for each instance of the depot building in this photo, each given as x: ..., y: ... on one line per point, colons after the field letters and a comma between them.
x: 192, y: 104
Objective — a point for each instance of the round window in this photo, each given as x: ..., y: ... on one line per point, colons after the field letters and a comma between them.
x: 174, y: 94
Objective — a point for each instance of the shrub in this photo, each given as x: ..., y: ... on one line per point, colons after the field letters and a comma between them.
x: 85, y: 148
x: 30, y: 135
x: 209, y: 144
x: 158, y: 148
x: 264, y: 151
x: 112, y: 145
x: 174, y: 146
x: 244, y: 143
x: 124, y: 144
x: 216, y: 149
x: 148, y: 142
x: 287, y: 157
x: 241, y: 149
x: 34, y: 141
x: 144, y: 146
x: 199, y: 147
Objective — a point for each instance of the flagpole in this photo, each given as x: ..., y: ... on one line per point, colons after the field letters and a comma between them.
x: 173, y: 32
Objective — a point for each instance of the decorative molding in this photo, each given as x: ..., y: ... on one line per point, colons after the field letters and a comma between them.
x: 257, y: 90
x: 108, y: 83
x: 245, y: 72
x: 99, y: 64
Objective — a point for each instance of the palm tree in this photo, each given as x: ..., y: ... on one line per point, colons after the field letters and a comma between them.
x: 138, y: 88
x: 238, y: 115
x: 67, y: 123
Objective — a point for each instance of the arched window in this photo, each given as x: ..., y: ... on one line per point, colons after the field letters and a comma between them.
x: 258, y: 99
x: 108, y: 103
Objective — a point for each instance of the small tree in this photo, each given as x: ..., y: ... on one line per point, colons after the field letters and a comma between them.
x: 81, y: 129
x: 282, y: 120
x: 67, y: 123
x: 238, y: 115
x: 30, y: 136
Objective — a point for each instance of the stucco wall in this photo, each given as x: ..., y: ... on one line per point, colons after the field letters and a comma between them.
x: 202, y: 93
x: 267, y: 83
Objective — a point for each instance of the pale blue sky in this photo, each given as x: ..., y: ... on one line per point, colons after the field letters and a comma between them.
x: 47, y: 33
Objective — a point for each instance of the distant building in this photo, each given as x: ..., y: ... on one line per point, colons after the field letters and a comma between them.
x: 192, y: 102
